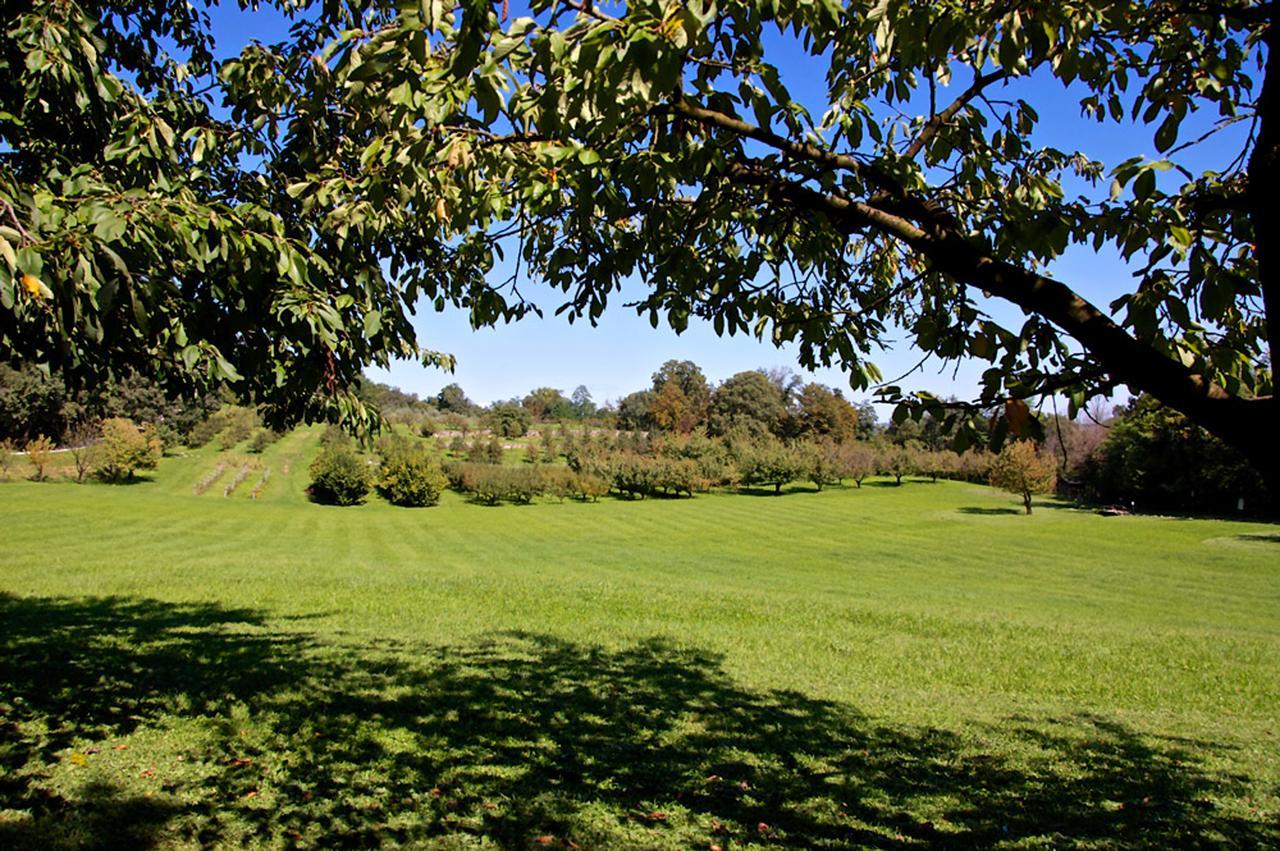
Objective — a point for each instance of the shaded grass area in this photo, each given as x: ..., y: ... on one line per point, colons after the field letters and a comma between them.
x: 266, y: 735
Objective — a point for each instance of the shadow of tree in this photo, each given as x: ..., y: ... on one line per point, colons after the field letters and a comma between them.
x: 988, y: 512
x: 1251, y: 538
x: 528, y: 740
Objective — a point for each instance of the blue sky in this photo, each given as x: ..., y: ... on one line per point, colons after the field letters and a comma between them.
x: 620, y: 355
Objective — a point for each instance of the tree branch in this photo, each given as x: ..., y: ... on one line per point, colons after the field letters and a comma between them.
x: 1264, y: 175
x: 1129, y: 360
x: 940, y: 120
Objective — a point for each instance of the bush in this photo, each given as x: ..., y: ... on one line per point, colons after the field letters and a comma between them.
x: 410, y: 476
x: 206, y: 430
x: 125, y: 448
x: 7, y: 457
x: 339, y: 476
x: 40, y: 453
x: 240, y: 424
x: 493, y: 451
x: 262, y: 438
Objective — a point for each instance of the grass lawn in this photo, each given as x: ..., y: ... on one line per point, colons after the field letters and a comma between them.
x: 885, y: 666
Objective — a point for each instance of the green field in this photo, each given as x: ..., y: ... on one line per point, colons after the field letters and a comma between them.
x: 885, y: 666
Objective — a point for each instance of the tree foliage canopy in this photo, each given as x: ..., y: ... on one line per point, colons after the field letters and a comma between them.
x: 226, y: 222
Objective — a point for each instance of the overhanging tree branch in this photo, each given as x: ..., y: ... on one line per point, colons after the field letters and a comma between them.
x: 1123, y: 356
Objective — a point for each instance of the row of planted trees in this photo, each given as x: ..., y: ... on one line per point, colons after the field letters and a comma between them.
x: 631, y: 465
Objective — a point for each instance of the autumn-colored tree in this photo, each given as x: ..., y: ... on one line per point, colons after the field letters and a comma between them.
x: 825, y: 413
x: 671, y: 410
x: 1020, y: 468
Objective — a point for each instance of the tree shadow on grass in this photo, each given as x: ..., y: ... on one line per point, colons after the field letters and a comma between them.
x: 787, y: 490
x: 526, y: 739
x: 1251, y: 538
x: 988, y: 512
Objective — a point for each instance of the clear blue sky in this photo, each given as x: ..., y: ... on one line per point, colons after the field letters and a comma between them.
x: 619, y: 355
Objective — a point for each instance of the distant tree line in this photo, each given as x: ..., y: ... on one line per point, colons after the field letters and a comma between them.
x: 754, y: 429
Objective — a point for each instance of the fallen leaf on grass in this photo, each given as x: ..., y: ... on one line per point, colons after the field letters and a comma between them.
x: 545, y: 840
x: 252, y: 793
x: 79, y: 759
x: 150, y: 772
x: 120, y: 748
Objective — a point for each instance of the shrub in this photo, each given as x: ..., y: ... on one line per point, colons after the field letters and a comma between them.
x: 6, y: 457
x: 240, y: 424
x: 333, y: 436
x: 339, y: 476
x: 458, y: 445
x: 262, y: 438
x: 40, y: 453
x: 125, y: 448
x: 493, y: 450
x: 206, y: 430
x: 81, y: 441
x: 410, y: 476
x: 455, y: 473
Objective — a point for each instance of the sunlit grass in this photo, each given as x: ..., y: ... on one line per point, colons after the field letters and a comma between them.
x: 879, y: 666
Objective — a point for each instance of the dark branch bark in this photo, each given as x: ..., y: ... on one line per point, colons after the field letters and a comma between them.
x: 937, y: 122
x: 1264, y: 177
x: 1247, y: 424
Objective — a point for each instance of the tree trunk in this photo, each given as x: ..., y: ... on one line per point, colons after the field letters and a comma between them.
x: 1026, y: 500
